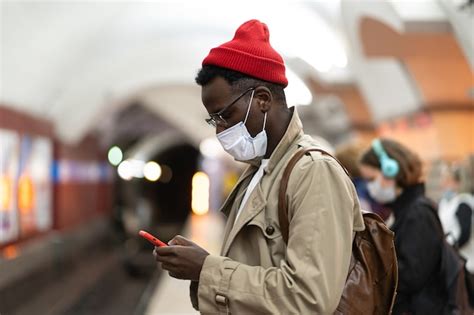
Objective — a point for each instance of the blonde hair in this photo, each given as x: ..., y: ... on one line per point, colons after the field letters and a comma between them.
x: 349, y: 155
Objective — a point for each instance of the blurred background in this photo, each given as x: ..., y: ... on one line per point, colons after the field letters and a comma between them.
x: 102, y: 128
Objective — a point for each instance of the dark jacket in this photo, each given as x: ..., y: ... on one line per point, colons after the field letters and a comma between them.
x: 418, y: 244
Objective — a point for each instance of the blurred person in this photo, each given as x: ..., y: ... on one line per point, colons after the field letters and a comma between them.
x: 469, y: 162
x: 349, y: 155
x: 323, y: 144
x: 455, y: 212
x: 243, y: 85
x: 394, y: 174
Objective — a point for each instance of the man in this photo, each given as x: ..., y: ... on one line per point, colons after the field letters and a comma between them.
x: 257, y: 273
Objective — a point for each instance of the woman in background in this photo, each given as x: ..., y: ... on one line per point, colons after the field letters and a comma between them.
x: 349, y: 155
x: 394, y: 174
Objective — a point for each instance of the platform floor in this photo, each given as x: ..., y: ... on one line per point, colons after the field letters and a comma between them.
x: 171, y: 296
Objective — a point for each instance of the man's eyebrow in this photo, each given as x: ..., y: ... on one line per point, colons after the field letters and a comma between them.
x: 211, y: 103
x: 215, y: 111
x: 216, y: 105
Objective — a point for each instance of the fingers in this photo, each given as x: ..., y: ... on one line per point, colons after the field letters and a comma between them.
x: 173, y: 242
x: 173, y: 270
x: 168, y: 267
x: 180, y: 240
x: 168, y: 254
x: 163, y: 259
x: 165, y: 251
x: 167, y: 257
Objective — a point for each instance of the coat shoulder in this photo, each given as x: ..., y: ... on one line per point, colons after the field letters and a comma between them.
x: 316, y: 159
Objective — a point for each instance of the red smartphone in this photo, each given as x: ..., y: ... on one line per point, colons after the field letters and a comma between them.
x: 155, y: 241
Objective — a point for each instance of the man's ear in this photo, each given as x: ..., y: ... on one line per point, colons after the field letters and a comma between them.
x: 264, y: 98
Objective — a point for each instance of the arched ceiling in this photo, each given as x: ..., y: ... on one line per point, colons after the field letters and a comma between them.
x: 76, y: 62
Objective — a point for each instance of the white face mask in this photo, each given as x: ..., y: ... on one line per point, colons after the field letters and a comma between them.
x: 238, y: 142
x: 381, y: 194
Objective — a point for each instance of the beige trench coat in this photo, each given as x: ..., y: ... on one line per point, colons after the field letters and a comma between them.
x: 256, y: 272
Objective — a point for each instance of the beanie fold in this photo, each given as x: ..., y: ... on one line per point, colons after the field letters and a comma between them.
x: 261, y: 68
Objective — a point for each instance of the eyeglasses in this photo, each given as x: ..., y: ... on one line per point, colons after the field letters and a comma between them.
x: 216, y: 119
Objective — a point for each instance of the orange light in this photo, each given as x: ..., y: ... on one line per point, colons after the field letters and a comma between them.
x: 5, y: 193
x: 26, y: 194
x: 200, y: 193
x: 10, y: 252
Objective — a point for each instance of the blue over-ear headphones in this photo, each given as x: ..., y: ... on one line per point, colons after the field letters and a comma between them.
x: 388, y: 165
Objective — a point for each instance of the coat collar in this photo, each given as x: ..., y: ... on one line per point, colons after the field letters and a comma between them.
x: 254, y: 206
x: 294, y: 130
x: 401, y: 205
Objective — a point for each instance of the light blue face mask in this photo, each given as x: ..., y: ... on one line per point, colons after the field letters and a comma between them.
x: 449, y: 194
x: 381, y: 194
x: 238, y: 142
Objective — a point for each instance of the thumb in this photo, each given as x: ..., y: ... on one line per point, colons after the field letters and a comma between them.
x: 180, y: 240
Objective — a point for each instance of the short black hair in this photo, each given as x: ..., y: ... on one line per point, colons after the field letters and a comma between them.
x: 238, y: 80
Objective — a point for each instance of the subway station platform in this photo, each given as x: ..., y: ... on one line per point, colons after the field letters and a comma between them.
x: 84, y: 272
x: 103, y: 128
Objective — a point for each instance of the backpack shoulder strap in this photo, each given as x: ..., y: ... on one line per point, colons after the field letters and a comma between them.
x: 282, y: 205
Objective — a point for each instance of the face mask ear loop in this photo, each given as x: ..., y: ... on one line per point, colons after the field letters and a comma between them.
x: 248, y: 109
x: 264, y: 121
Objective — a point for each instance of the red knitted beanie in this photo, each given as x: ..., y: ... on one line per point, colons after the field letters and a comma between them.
x: 250, y: 52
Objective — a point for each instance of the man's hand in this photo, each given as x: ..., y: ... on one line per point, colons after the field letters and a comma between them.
x: 183, y: 259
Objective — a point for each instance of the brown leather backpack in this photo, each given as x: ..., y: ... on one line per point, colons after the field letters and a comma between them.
x: 371, y: 283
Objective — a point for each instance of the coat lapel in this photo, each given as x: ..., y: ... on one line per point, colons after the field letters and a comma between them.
x: 230, y: 206
x: 230, y: 201
x: 255, y: 204
x: 233, y: 213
